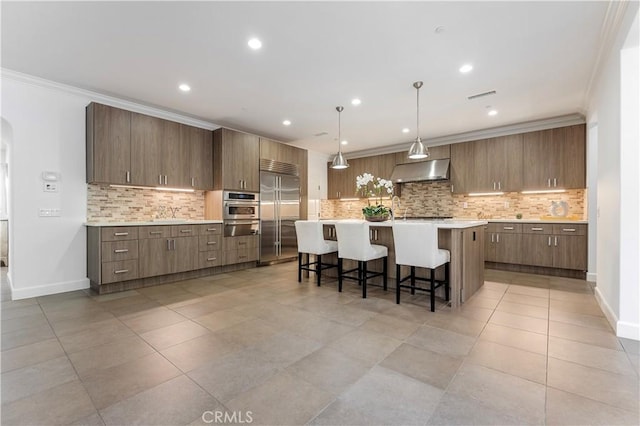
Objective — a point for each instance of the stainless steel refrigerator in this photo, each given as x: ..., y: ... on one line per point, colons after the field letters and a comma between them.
x: 279, y: 209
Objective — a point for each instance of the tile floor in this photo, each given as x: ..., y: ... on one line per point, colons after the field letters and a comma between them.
x: 256, y: 345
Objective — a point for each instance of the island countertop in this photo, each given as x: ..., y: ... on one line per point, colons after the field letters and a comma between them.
x: 440, y: 223
x: 153, y: 223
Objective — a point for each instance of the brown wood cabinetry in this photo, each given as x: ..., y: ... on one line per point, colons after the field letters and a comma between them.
x: 342, y: 183
x: 435, y: 153
x: 487, y: 165
x: 555, y: 158
x: 503, y: 243
x: 236, y: 160
x: 241, y: 249
x: 108, y: 144
x: 124, y: 147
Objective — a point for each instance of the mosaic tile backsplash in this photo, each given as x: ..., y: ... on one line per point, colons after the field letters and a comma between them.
x: 436, y: 199
x: 108, y: 204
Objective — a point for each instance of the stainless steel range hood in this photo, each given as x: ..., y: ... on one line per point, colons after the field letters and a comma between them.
x: 429, y: 170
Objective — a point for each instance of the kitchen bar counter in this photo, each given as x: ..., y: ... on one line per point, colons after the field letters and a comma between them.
x: 556, y: 221
x: 153, y: 223
x: 463, y: 238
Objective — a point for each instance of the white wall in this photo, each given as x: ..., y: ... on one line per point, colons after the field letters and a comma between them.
x: 317, y: 170
x: 604, y: 110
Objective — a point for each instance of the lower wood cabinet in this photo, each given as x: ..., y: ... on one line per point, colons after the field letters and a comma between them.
x: 161, y: 256
x: 241, y: 249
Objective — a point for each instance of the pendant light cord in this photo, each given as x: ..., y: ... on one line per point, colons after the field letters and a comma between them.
x: 418, y: 112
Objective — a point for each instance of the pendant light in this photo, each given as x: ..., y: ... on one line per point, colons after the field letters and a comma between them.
x: 418, y: 150
x: 339, y: 162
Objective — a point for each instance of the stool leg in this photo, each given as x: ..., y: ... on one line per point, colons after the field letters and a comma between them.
x: 398, y: 284
x: 364, y: 280
x: 318, y: 268
x: 299, y: 267
x: 413, y: 280
x: 340, y: 274
x: 447, y: 288
x: 432, y: 280
x: 359, y: 273
x: 385, y: 273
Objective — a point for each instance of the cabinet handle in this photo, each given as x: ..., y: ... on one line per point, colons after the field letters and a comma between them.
x: 155, y: 232
x: 211, y: 229
x: 338, y: 194
x: 120, y: 234
x: 168, y: 245
x: 193, y: 181
x: 555, y: 241
x: 492, y: 237
x: 500, y: 186
x: 242, y: 243
x: 451, y: 188
x: 497, y: 238
x: 242, y: 257
x: 568, y: 229
x: 536, y: 229
x: 185, y: 231
x: 508, y: 228
x: 210, y: 243
x: 121, y: 271
x: 555, y: 182
x: 165, y: 180
x: 549, y: 182
x: 121, y: 250
x: 494, y: 186
x: 375, y: 234
x: 211, y: 259
x: 160, y: 179
x: 128, y: 176
x: 549, y: 242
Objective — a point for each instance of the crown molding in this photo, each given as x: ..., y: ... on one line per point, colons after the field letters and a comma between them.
x: 106, y: 99
x: 608, y: 33
x: 511, y: 129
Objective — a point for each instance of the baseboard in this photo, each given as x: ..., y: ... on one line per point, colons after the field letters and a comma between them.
x: 44, y: 290
x: 628, y: 330
x: 606, y: 309
x: 592, y: 277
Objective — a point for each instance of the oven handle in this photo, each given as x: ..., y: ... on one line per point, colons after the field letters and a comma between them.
x: 241, y: 222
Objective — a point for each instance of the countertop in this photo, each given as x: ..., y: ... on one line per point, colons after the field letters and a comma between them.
x: 154, y: 222
x: 444, y: 223
x: 559, y: 220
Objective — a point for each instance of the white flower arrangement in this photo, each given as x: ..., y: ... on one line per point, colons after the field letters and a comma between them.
x: 369, y: 186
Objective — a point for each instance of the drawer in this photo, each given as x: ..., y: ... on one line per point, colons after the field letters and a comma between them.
x: 570, y: 229
x: 184, y: 230
x: 505, y: 228
x: 119, y: 250
x: 240, y: 255
x: 209, y: 242
x: 244, y: 242
x: 119, y: 233
x: 156, y: 231
x: 210, y: 229
x: 537, y: 228
x: 208, y: 259
x: 119, y: 271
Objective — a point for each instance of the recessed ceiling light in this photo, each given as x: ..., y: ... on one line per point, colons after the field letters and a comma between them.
x: 356, y: 101
x: 254, y: 43
x: 286, y: 123
x: 466, y: 68
x: 344, y: 142
x: 439, y: 29
x: 184, y: 87
x: 405, y: 130
x: 492, y: 112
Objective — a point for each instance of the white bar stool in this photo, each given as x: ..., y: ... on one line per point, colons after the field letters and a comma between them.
x: 416, y: 245
x: 354, y: 244
x: 311, y: 241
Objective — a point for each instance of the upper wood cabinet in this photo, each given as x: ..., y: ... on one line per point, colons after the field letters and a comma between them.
x: 487, y: 165
x: 555, y: 158
x: 236, y: 160
x: 125, y: 147
x: 108, y: 144
x: 435, y: 153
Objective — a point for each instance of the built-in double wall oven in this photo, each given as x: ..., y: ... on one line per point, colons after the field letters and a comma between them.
x: 241, y: 215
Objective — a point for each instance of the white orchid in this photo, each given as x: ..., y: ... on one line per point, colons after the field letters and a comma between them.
x: 376, y: 189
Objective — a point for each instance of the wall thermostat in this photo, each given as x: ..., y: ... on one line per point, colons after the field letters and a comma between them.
x: 50, y: 176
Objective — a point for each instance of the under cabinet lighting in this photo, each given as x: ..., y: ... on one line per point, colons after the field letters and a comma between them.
x: 349, y: 199
x: 159, y: 188
x: 484, y: 194
x: 544, y: 191
x: 128, y: 186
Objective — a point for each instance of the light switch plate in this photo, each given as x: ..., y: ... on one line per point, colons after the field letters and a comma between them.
x: 50, y: 187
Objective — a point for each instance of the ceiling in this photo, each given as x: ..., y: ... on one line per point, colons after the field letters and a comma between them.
x: 537, y: 56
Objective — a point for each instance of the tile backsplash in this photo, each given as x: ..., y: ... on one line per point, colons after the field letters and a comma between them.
x: 436, y: 199
x: 109, y: 204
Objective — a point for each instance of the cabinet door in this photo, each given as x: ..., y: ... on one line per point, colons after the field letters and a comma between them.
x: 147, y: 135
x: 251, y: 163
x: 108, y: 144
x: 334, y: 182
x: 538, y: 250
x: 539, y: 159
x: 176, y: 157
x: 240, y: 161
x: 200, y: 156
x: 490, y: 246
x: 504, y: 163
x: 462, y: 168
x: 571, y: 157
x: 570, y: 252
x: 508, y: 248
x: 154, y: 257
x: 185, y: 254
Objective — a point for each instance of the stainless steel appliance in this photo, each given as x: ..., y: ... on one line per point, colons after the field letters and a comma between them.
x: 241, y: 214
x: 279, y: 209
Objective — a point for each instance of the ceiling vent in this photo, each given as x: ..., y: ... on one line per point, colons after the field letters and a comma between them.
x: 321, y: 134
x: 480, y: 95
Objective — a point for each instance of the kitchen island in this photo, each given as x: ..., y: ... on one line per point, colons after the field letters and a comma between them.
x: 463, y: 238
